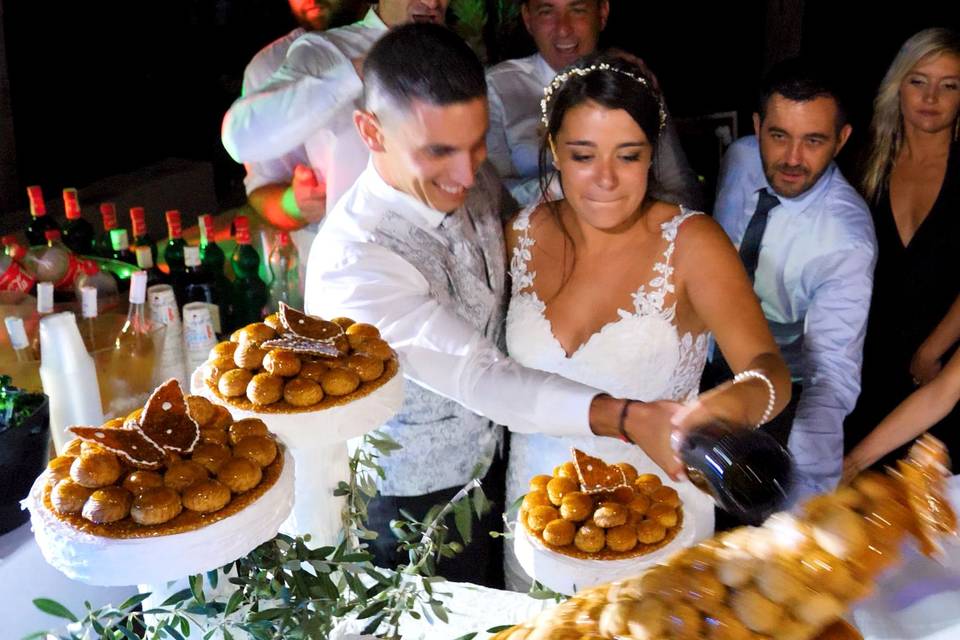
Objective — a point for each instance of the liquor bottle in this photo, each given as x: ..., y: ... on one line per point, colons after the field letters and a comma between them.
x: 141, y: 237
x: 54, y: 262
x: 14, y: 276
x: 121, y: 246
x: 18, y: 338
x: 248, y: 297
x: 133, y: 348
x: 44, y: 309
x: 746, y: 470
x: 214, y: 260
x: 102, y: 282
x: 173, y: 251
x: 102, y: 245
x: 40, y: 222
x: 77, y: 232
x: 88, y: 311
x: 285, y: 274
x: 198, y: 285
x: 69, y: 377
x: 145, y: 263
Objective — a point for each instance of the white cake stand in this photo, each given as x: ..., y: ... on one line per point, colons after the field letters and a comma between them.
x: 317, y: 441
x: 568, y: 575
x: 112, y: 562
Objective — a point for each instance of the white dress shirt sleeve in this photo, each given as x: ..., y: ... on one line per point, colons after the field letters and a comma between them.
x: 831, y: 360
x: 315, y: 79
x: 438, y: 349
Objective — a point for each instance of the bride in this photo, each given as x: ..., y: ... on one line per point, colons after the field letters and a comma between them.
x: 615, y: 289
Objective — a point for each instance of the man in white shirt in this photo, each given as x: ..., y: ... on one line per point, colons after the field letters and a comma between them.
x: 416, y: 247
x: 564, y: 31
x: 304, y: 114
x: 266, y: 181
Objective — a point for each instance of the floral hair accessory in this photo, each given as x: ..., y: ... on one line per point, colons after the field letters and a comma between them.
x: 561, y: 78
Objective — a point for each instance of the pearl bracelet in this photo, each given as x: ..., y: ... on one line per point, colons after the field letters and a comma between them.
x: 753, y: 374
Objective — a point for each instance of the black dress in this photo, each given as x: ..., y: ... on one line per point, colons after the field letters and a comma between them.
x: 913, y: 288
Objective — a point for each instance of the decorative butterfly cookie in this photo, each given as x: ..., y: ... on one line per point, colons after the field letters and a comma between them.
x: 597, y: 476
x: 163, y: 427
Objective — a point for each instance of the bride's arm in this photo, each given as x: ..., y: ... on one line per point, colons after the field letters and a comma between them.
x: 711, y: 277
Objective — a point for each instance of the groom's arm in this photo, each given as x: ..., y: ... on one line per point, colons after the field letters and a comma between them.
x: 441, y: 352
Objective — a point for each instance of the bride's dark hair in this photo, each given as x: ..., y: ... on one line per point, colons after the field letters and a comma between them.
x: 622, y: 85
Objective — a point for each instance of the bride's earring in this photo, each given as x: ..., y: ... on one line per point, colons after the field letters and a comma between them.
x: 553, y: 151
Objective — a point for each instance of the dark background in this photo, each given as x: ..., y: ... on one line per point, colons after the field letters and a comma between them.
x: 98, y: 89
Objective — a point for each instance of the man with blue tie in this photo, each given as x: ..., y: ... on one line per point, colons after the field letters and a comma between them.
x: 807, y: 242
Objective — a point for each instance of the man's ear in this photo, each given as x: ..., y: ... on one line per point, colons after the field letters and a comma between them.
x: 368, y: 126
x: 843, y: 137
x: 756, y: 124
x: 525, y: 15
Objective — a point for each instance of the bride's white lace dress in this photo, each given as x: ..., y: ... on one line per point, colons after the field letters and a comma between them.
x: 641, y: 355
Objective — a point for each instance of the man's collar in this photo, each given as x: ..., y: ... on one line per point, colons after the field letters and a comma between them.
x: 403, y: 202
x: 544, y: 72
x: 373, y: 20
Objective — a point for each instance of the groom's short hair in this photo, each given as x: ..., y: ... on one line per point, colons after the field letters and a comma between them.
x: 420, y: 61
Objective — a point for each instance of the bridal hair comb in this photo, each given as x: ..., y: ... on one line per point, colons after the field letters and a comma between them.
x: 561, y: 78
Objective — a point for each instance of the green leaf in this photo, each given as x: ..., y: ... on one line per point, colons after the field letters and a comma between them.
x: 498, y: 629
x: 440, y: 611
x: 53, y: 608
x: 128, y: 634
x: 38, y: 635
x: 373, y: 625
x: 480, y: 503
x: 196, y: 587
x: 185, y: 626
x: 176, y: 598
x: 227, y: 635
x: 235, y: 599
x: 133, y: 601
x: 373, y: 610
x: 461, y: 515
x: 469, y: 636
x: 213, y: 578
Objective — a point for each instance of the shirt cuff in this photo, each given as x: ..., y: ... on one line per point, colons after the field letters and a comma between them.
x: 564, y: 408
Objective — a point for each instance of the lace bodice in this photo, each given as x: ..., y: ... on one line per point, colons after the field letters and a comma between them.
x: 641, y: 355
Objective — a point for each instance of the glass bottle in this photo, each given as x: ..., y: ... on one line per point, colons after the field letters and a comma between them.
x: 77, y: 232
x: 40, y: 222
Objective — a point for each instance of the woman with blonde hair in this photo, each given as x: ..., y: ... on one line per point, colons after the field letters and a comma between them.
x: 912, y: 181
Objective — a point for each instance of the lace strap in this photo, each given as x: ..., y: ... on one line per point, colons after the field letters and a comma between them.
x: 520, y: 276
x: 662, y: 283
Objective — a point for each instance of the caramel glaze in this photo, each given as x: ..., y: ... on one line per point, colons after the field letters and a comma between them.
x: 390, y: 369
x: 608, y: 554
x: 187, y: 520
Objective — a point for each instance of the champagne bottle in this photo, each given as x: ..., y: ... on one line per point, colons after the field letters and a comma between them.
x: 40, y: 222
x: 102, y: 245
x: 746, y: 470
x: 141, y: 237
x: 77, y: 232
x: 249, y: 296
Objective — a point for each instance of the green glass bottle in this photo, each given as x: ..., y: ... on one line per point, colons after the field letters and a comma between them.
x: 248, y: 297
x: 173, y: 251
x: 213, y: 260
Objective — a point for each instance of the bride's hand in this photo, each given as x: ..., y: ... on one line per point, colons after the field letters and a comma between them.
x: 650, y: 426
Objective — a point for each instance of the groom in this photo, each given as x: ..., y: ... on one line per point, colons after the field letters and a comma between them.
x: 416, y: 247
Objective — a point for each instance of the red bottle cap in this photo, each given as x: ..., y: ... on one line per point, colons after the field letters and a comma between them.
x: 173, y: 223
x: 71, y: 204
x: 52, y: 235
x: 37, y: 206
x: 8, y: 240
x: 207, y: 231
x: 241, y: 227
x: 284, y: 238
x: 109, y: 214
x: 138, y: 220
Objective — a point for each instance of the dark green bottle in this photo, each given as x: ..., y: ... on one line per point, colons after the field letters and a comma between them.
x: 173, y: 251
x: 248, y: 297
x: 213, y: 260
